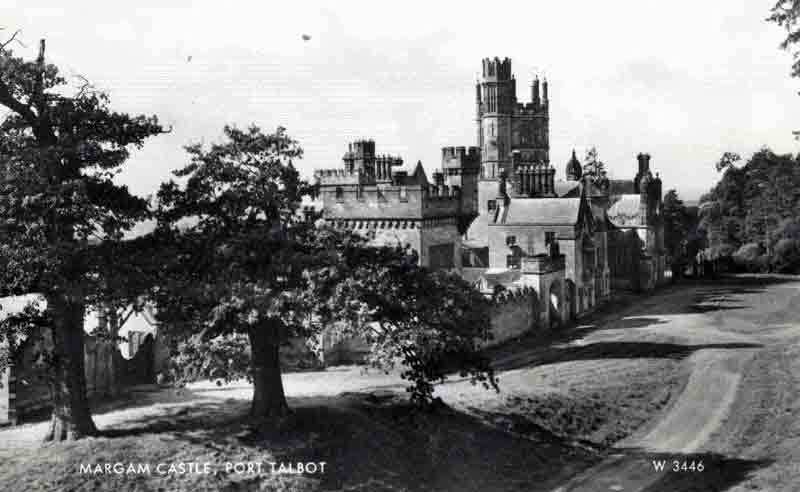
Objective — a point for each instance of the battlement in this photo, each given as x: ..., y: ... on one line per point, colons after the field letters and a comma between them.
x: 361, y: 148
x: 340, y: 177
x: 531, y: 109
x: 497, y: 69
x: 391, y: 201
x: 461, y: 158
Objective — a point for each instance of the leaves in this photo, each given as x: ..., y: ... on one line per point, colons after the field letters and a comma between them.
x: 244, y: 260
x: 754, y: 203
x: 786, y: 13
x: 59, y: 205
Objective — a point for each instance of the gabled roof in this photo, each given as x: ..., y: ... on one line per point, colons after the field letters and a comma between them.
x: 541, y: 211
x: 419, y: 175
x: 624, y: 210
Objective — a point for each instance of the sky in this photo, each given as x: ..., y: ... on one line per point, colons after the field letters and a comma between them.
x: 682, y: 80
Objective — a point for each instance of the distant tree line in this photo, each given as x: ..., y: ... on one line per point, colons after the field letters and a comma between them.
x: 752, y: 215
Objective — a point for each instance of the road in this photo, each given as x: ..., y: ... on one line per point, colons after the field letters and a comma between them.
x: 731, y: 422
x: 734, y: 425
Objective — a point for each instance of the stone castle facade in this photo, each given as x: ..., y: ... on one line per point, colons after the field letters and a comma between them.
x: 496, y: 213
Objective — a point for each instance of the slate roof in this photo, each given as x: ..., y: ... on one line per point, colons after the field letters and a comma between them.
x: 624, y: 210
x: 544, y: 211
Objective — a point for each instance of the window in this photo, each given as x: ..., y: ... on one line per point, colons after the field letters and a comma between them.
x: 441, y: 256
x: 512, y: 261
x: 511, y: 240
x: 403, y: 194
x: 339, y: 194
x: 359, y: 192
x: 491, y: 205
x: 549, y: 238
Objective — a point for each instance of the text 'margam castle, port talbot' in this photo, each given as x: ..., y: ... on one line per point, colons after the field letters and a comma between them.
x: 497, y: 212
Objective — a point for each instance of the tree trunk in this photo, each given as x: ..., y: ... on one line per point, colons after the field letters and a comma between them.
x: 71, y: 418
x: 269, y: 401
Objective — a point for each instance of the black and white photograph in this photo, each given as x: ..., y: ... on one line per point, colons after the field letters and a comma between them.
x: 400, y: 246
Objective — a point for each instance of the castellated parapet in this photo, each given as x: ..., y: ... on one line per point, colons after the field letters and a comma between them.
x: 461, y: 160
x: 368, y: 186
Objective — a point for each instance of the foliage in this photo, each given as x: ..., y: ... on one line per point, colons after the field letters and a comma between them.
x: 786, y: 258
x: 61, y: 210
x: 786, y: 14
x: 63, y: 215
x: 753, y: 203
x: 752, y: 257
x: 242, y: 261
x: 677, y: 225
x: 592, y: 165
x: 224, y: 357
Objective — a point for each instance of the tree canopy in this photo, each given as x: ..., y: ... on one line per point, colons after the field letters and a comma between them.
x: 240, y: 261
x: 758, y: 203
x: 63, y: 215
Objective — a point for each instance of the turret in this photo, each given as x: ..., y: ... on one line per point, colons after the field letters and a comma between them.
x: 460, y: 166
x: 545, y: 97
x: 644, y: 170
x: 574, y: 169
x: 535, y: 93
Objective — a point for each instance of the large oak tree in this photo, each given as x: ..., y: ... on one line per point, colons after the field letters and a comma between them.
x: 244, y: 263
x: 62, y: 216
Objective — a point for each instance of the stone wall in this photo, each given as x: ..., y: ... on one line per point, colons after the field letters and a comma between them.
x: 514, y: 316
x: 5, y: 395
x: 107, y: 372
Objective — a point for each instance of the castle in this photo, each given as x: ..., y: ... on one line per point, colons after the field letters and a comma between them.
x: 496, y: 213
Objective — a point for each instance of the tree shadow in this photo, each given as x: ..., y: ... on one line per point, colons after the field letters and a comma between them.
x: 611, y: 350
x: 378, y: 443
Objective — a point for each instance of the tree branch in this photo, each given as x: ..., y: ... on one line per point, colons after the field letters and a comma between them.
x: 10, y: 40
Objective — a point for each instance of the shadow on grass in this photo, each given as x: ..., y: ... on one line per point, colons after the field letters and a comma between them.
x: 375, y: 444
x: 612, y: 350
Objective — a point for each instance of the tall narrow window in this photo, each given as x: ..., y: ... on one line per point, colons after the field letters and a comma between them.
x: 339, y: 194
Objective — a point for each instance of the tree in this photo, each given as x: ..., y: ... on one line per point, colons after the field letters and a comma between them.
x: 432, y: 323
x: 752, y: 203
x: 786, y: 14
x: 62, y: 216
x: 592, y: 165
x: 676, y: 227
x: 244, y: 263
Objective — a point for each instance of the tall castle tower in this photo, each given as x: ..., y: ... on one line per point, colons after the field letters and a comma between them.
x: 505, y: 125
x: 514, y: 141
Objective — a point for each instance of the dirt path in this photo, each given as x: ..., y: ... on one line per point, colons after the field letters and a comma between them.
x: 728, y: 402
